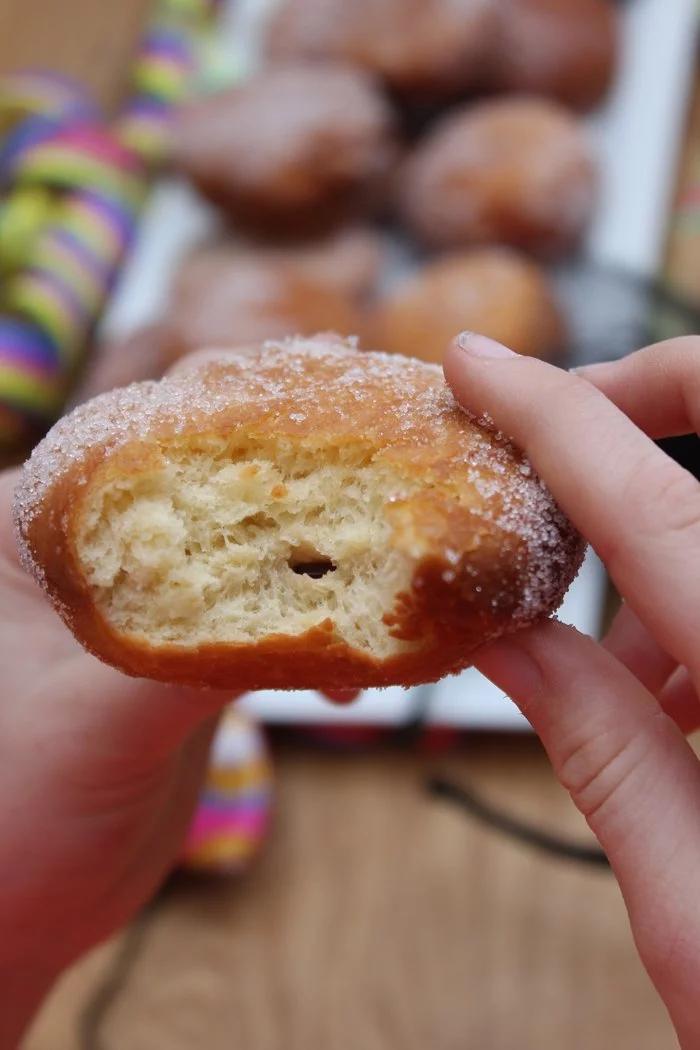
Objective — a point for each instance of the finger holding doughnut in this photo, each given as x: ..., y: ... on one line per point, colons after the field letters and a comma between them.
x: 635, y: 647
x: 635, y: 779
x: 639, y: 509
x: 679, y: 699
x: 671, y: 370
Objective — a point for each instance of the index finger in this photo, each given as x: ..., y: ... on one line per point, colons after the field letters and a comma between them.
x: 637, y: 508
x: 658, y: 388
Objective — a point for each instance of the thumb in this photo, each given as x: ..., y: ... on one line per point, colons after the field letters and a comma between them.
x: 632, y: 774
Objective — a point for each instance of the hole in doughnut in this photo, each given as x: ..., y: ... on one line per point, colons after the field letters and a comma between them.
x: 305, y: 561
x: 230, y: 540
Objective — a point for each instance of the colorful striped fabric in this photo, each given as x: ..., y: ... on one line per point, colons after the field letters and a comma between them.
x: 234, y: 813
x: 71, y: 190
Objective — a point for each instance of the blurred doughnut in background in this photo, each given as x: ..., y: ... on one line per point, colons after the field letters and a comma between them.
x: 226, y: 293
x: 146, y: 354
x: 221, y: 300
x: 495, y: 291
x: 293, y: 150
x: 515, y: 171
x: 310, y: 144
x: 348, y: 261
x: 428, y: 50
x: 566, y: 50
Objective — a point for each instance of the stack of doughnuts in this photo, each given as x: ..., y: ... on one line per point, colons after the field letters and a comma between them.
x: 316, y: 511
x: 457, y: 127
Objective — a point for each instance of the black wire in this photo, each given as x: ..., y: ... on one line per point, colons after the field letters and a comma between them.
x: 410, y: 732
x: 539, y: 839
x: 405, y: 736
x: 117, y: 977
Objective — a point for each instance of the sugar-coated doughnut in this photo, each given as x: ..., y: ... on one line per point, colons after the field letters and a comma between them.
x: 563, y: 49
x: 223, y: 299
x: 300, y: 516
x: 293, y: 149
x: 495, y: 291
x: 516, y: 171
x: 426, y: 50
x: 348, y: 261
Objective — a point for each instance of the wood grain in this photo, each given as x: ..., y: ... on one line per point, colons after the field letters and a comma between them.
x: 380, y: 919
x: 92, y: 40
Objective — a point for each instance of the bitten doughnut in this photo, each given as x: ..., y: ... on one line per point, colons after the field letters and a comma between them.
x: 300, y: 516
x: 426, y: 50
x: 515, y: 171
x: 494, y: 291
x: 293, y: 150
x: 564, y: 49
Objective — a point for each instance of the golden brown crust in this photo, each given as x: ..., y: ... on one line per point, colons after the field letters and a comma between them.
x: 494, y: 291
x: 490, y: 550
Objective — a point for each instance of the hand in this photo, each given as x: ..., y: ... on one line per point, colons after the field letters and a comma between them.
x: 613, y: 716
x: 99, y: 775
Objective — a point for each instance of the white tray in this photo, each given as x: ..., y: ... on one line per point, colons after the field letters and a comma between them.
x: 467, y: 701
x: 639, y: 134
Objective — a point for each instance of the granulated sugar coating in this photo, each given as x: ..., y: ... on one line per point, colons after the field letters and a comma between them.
x: 360, y: 463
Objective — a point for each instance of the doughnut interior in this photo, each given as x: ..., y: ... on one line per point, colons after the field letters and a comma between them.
x: 299, y: 515
x: 233, y: 540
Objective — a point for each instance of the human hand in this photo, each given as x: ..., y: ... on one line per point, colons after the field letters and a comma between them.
x: 99, y: 776
x: 613, y: 716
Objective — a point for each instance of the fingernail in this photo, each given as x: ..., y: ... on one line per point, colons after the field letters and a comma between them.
x: 511, y: 668
x: 482, y: 346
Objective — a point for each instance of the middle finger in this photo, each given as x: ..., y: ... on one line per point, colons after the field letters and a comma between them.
x: 629, y: 642
x: 639, y: 509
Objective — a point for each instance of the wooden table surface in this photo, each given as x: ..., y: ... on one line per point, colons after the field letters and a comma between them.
x: 382, y: 919
x: 379, y: 918
x: 91, y: 39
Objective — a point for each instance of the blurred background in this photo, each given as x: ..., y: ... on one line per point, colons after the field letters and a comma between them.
x: 403, y: 872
